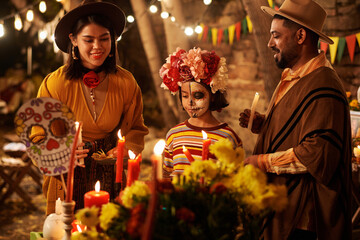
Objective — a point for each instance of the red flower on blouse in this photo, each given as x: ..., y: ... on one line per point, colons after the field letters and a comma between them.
x: 91, y: 79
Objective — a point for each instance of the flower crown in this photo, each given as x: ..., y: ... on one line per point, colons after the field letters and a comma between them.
x: 199, y: 65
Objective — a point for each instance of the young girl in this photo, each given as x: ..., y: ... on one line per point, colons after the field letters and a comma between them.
x: 200, y: 77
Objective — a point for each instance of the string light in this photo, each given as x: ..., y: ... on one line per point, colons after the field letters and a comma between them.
x: 42, y: 35
x: 2, y: 30
x: 164, y: 15
x: 172, y: 18
x: 198, y: 29
x: 130, y: 18
x: 18, y: 23
x: 153, y: 9
x: 42, y: 6
x: 189, y: 31
x: 207, y: 2
x: 30, y: 15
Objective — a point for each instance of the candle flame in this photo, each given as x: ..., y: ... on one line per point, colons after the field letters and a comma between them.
x: 77, y: 125
x: 159, y: 147
x: 358, y: 146
x: 97, y: 186
x: 256, y: 93
x: 131, y: 155
x: 78, y: 228
x: 184, y: 148
x: 119, y: 134
x: 204, y: 134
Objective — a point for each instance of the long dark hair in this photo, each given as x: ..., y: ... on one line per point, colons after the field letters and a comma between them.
x: 74, y: 68
x: 217, y: 100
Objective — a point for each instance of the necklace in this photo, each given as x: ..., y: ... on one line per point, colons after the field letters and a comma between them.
x: 92, y: 97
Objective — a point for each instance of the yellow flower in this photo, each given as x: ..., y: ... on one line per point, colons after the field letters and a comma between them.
x: 197, y: 169
x: 229, y: 158
x: 137, y: 190
x: 348, y: 94
x: 276, y: 197
x: 19, y: 124
x: 88, y: 216
x: 109, y: 211
x: 89, y: 235
x: 354, y: 103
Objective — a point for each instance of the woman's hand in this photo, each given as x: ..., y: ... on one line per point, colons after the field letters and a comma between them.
x: 257, y: 121
x: 81, y: 153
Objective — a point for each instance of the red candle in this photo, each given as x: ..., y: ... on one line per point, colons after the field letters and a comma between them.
x: 206, y: 144
x: 133, y: 168
x: 188, y: 154
x: 77, y: 226
x: 96, y: 198
x: 70, y: 174
x: 120, y: 158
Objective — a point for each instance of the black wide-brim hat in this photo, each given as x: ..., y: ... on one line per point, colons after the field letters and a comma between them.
x: 66, y: 24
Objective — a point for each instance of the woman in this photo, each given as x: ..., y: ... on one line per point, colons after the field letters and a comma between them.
x: 200, y: 77
x: 104, y: 96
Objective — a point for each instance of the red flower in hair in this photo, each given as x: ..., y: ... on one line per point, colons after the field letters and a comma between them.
x: 91, y: 79
x: 211, y: 61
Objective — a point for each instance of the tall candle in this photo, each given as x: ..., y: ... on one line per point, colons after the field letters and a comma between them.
x: 357, y: 151
x: 120, y: 158
x: 96, y: 198
x: 80, y: 161
x: 252, y: 110
x: 206, y: 144
x: 188, y: 154
x: 70, y: 174
x: 156, y: 158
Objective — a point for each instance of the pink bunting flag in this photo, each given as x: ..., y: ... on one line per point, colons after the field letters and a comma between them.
x: 324, y: 46
x: 205, y: 33
x: 351, y: 40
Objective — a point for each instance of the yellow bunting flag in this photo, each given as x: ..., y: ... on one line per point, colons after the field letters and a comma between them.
x: 358, y: 38
x: 200, y: 34
x: 333, y: 48
x: 214, y: 32
x: 231, y: 33
x: 249, y: 23
x: 271, y: 3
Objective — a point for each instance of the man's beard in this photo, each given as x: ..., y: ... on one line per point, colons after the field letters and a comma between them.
x: 286, y: 58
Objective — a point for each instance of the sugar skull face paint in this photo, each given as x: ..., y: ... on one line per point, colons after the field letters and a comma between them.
x: 195, y: 99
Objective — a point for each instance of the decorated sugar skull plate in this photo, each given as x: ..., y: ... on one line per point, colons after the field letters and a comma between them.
x: 47, y: 128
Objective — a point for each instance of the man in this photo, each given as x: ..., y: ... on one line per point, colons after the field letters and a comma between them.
x: 304, y: 138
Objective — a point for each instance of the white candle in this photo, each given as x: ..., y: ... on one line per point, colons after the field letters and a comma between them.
x: 357, y: 151
x: 80, y: 161
x: 252, y: 110
x: 58, y: 206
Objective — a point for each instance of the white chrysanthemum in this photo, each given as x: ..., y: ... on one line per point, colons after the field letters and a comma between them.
x: 220, y: 78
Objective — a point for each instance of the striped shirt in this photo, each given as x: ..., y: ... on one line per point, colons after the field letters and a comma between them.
x: 185, y: 134
x: 286, y: 161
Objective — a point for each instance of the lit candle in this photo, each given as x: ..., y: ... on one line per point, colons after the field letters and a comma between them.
x: 357, y: 151
x: 96, y: 198
x: 133, y: 168
x: 188, y: 154
x: 252, y: 110
x: 70, y: 174
x: 120, y: 158
x: 77, y: 226
x: 156, y: 158
x: 206, y: 144
x: 58, y: 206
x: 77, y: 127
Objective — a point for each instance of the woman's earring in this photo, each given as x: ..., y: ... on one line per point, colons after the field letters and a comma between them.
x: 73, y: 53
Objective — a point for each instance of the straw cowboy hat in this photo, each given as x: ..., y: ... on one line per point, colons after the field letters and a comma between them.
x: 304, y: 12
x: 65, y: 25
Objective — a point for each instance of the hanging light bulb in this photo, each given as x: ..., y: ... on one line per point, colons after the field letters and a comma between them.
x: 2, y: 30
x: 18, y: 23
x: 153, y: 9
x: 130, y: 18
x: 198, y: 29
x: 189, y: 31
x: 172, y: 18
x: 164, y: 15
x: 30, y: 15
x: 207, y: 2
x: 42, y: 35
x: 42, y: 6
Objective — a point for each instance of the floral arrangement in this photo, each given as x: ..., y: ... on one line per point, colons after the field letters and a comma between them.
x: 353, y: 103
x: 198, y: 65
x: 231, y: 201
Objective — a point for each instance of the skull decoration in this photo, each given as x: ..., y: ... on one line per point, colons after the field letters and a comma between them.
x: 47, y: 128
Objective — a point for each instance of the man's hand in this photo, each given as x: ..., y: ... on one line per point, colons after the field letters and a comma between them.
x: 252, y: 160
x: 257, y: 120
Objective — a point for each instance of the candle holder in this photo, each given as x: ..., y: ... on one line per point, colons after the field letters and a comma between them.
x: 68, y: 217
